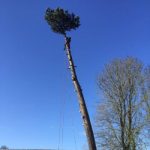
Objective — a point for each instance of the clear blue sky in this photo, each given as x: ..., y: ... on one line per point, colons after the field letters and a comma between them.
x: 34, y: 79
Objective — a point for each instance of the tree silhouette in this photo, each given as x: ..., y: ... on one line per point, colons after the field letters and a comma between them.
x: 60, y: 22
x: 4, y: 147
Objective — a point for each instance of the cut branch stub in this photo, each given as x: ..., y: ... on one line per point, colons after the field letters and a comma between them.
x: 61, y: 20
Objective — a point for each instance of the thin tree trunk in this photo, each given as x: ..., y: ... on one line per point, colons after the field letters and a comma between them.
x: 83, y: 108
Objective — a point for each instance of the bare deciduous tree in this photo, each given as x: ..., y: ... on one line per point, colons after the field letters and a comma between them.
x: 121, y: 117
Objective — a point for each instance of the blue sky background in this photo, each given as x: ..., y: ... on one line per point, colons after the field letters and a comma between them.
x: 35, y: 85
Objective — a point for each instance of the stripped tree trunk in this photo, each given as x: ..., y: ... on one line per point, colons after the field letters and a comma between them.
x: 82, y: 104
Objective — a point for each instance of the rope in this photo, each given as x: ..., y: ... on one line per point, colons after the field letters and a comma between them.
x: 71, y: 104
x: 64, y: 102
x: 59, y: 131
x: 62, y: 113
x: 62, y: 117
x: 61, y: 125
x: 74, y: 130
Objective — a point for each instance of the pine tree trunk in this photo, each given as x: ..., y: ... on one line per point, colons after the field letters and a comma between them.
x: 82, y: 104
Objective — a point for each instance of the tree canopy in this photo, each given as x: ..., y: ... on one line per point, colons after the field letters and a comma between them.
x: 61, y: 20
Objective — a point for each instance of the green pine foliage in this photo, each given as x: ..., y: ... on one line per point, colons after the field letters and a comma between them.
x: 61, y: 20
